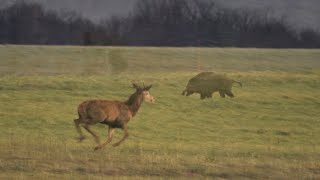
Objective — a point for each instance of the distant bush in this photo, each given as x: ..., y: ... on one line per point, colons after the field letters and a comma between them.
x: 117, y: 62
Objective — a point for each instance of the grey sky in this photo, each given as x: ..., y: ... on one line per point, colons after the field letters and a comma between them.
x: 299, y: 13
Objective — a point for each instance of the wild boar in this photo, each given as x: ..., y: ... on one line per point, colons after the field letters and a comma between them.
x: 206, y: 83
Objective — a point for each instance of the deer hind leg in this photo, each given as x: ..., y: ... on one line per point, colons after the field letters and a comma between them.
x: 110, y: 135
x: 86, y: 127
x: 126, y: 134
x: 77, y: 123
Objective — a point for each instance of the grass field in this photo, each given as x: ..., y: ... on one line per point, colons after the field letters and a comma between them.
x: 270, y: 130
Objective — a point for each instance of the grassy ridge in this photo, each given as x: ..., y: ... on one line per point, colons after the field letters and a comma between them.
x: 68, y: 60
x: 270, y: 130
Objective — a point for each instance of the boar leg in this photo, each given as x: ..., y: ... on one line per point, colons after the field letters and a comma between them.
x: 222, y: 93
x: 229, y: 93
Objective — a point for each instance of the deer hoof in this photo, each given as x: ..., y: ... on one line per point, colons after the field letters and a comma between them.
x: 97, y: 148
x: 116, y: 144
x: 80, y: 139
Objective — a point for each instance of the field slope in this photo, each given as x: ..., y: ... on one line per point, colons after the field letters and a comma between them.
x: 270, y: 130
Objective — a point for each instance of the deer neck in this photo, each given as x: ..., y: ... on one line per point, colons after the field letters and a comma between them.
x: 134, y: 103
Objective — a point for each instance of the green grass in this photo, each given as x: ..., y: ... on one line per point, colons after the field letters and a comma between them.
x: 270, y: 130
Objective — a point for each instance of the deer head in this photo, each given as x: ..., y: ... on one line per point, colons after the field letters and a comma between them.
x: 144, y: 91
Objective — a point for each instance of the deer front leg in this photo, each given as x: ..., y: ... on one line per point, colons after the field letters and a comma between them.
x: 86, y: 126
x: 110, y: 135
x: 126, y: 134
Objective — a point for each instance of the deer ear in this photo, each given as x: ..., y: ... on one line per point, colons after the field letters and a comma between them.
x: 148, y: 87
x: 134, y: 85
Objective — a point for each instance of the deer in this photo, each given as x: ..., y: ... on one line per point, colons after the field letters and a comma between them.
x: 115, y: 114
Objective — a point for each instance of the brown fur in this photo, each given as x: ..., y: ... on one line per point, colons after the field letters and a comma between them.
x: 207, y: 83
x: 115, y: 114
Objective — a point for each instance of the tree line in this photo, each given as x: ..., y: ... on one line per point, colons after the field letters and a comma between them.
x: 154, y: 23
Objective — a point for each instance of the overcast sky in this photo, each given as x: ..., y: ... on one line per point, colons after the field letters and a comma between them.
x: 300, y: 13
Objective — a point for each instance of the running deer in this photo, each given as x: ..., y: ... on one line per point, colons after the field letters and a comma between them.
x: 115, y: 114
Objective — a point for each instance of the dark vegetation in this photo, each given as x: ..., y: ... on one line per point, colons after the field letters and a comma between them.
x: 154, y: 23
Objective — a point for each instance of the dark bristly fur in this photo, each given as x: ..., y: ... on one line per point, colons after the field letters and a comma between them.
x: 115, y: 114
